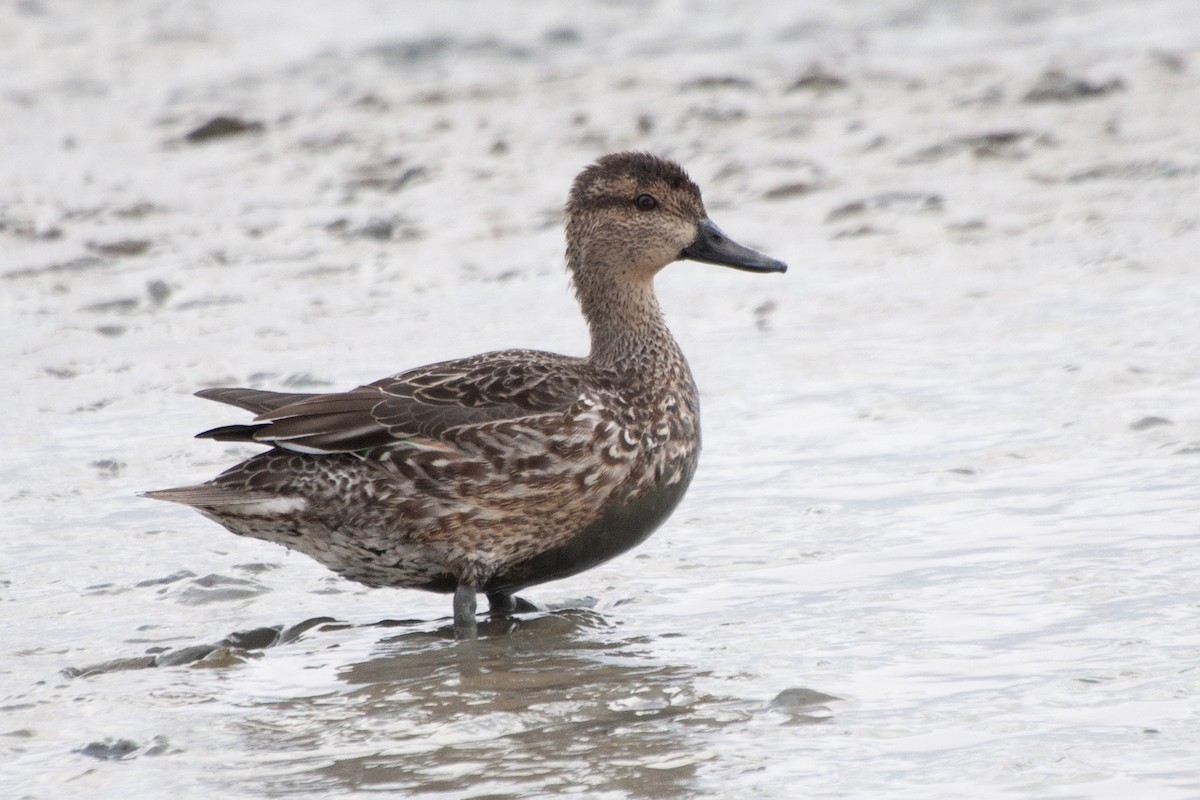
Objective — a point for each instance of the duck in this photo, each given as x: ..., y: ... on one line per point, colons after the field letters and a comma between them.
x: 496, y: 472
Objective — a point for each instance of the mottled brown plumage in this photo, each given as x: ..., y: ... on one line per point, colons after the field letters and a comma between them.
x: 502, y: 470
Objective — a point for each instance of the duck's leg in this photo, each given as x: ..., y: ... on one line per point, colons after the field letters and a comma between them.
x: 503, y: 604
x: 465, y: 626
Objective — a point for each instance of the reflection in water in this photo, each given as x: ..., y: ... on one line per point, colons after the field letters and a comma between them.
x: 547, y: 703
x: 558, y: 704
x: 233, y: 649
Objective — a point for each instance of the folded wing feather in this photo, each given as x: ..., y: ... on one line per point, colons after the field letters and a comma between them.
x: 416, y: 407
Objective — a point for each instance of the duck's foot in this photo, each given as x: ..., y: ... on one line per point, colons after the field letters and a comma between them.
x: 465, y: 626
x: 503, y: 604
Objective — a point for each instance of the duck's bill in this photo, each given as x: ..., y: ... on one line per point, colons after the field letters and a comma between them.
x: 712, y: 246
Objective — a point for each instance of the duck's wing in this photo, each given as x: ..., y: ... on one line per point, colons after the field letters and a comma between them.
x: 259, y: 401
x: 415, y: 408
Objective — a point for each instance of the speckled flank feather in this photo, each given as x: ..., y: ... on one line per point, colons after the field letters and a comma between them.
x: 504, y: 469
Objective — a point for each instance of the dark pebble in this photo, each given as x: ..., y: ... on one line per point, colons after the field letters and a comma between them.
x: 1058, y: 87
x: 120, y: 248
x: 256, y: 639
x: 109, y: 750
x: 787, y: 190
x: 718, y: 82
x: 159, y: 291
x: 219, y: 127
x: 185, y: 655
x: 817, y: 80
x: 790, y: 699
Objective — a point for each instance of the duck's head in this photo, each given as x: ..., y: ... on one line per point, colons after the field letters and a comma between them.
x: 636, y: 213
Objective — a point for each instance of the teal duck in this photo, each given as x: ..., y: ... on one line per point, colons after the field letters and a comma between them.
x: 503, y: 470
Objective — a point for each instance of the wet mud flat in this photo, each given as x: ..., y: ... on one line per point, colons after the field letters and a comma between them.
x: 942, y: 539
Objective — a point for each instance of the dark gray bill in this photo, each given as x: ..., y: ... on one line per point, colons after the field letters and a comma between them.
x: 712, y: 246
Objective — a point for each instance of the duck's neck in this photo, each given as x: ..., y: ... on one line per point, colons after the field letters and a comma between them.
x: 626, y: 323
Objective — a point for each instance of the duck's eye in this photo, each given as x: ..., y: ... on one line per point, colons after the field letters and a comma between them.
x: 645, y: 202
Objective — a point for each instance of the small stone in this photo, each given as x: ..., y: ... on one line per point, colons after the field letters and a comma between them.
x: 563, y: 35
x: 792, y: 699
x: 788, y: 190
x: 1146, y: 423
x: 817, y: 80
x: 108, y: 467
x: 718, y: 82
x: 109, y: 750
x: 159, y: 291
x: 1057, y: 87
x: 220, y: 127
x: 120, y: 248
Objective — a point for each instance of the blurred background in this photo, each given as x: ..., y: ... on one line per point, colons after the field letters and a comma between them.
x: 943, y: 538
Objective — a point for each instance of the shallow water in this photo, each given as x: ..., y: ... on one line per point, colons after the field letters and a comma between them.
x: 943, y: 538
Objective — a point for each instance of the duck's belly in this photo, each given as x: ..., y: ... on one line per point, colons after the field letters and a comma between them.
x: 620, y: 527
x: 513, y: 558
